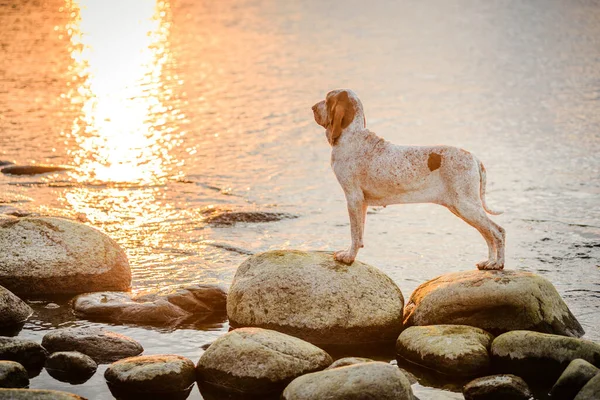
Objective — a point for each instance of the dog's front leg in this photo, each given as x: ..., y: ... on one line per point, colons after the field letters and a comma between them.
x: 356, y: 211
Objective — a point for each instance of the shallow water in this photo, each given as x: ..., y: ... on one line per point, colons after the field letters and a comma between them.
x: 165, y: 108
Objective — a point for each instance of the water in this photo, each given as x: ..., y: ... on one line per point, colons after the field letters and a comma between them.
x: 166, y: 108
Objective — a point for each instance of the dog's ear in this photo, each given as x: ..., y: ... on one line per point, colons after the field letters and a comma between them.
x: 340, y: 113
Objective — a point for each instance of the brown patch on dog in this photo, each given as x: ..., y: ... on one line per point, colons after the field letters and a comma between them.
x: 340, y: 113
x: 434, y: 162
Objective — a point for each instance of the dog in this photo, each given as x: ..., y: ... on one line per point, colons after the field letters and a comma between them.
x: 375, y: 172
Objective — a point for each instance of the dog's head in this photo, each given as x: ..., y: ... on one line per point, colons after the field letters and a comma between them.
x: 340, y: 110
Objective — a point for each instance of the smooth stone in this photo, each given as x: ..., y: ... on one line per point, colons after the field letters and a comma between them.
x: 70, y: 366
x: 540, y: 356
x: 374, y: 380
x: 227, y: 217
x: 497, y: 387
x: 37, y: 394
x: 258, y: 361
x: 156, y: 376
x: 311, y: 296
x: 13, y: 310
x: 99, y: 344
x: 31, y: 169
x: 455, y: 350
x: 344, y: 362
x: 48, y: 255
x: 26, y: 352
x: 577, y: 374
x: 591, y: 390
x: 13, y: 375
x: 4, y: 162
x: 496, y: 301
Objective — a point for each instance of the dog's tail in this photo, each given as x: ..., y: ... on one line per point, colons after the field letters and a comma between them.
x: 482, y: 183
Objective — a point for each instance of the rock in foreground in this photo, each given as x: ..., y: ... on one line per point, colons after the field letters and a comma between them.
x: 374, y: 380
x: 99, y: 344
x: 13, y: 375
x: 496, y: 301
x: 152, y: 377
x: 591, y: 390
x: 53, y: 255
x: 497, y: 387
x: 70, y: 366
x: 258, y: 361
x: 36, y: 394
x: 577, y: 374
x: 13, y: 310
x: 455, y: 350
x: 26, y: 352
x: 311, y: 296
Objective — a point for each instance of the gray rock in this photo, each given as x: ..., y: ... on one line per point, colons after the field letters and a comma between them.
x: 4, y: 162
x: 344, y: 362
x: 13, y: 310
x: 496, y: 301
x: 99, y: 344
x: 258, y: 361
x: 26, y: 352
x: 455, y: 350
x: 540, y: 356
x: 591, y: 390
x: 228, y: 217
x: 31, y: 169
x: 36, y: 394
x: 577, y: 374
x: 53, y: 255
x: 157, y: 376
x: 311, y: 296
x: 70, y: 366
x: 13, y: 375
x: 374, y: 380
x: 497, y: 387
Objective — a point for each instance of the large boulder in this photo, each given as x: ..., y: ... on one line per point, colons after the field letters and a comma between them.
x: 13, y: 375
x: 99, y: 344
x: 36, y: 394
x: 258, y: 361
x: 26, y: 352
x: 157, y: 376
x: 70, y: 366
x: 496, y: 301
x: 577, y: 374
x: 13, y: 310
x: 53, y: 255
x: 540, y: 356
x: 497, y: 387
x: 373, y: 380
x: 311, y: 296
x: 454, y: 350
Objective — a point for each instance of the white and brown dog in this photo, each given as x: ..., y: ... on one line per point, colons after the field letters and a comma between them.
x: 374, y: 172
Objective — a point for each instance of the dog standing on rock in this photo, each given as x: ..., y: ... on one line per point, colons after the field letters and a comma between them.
x: 374, y: 172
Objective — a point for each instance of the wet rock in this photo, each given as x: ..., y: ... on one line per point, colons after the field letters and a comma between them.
x: 157, y: 377
x: 540, y: 356
x: 26, y: 352
x: 258, y: 361
x: 591, y: 390
x: 311, y: 296
x: 496, y: 301
x: 497, y: 387
x: 13, y: 375
x: 374, y: 380
x: 344, y: 362
x: 36, y: 394
x: 455, y: 350
x: 32, y: 169
x: 70, y: 366
x: 13, y: 310
x: 225, y: 217
x: 101, y: 345
x: 53, y: 255
x: 577, y: 374
x: 4, y: 162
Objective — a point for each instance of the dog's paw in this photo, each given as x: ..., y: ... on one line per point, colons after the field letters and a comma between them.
x: 489, y: 265
x: 344, y: 256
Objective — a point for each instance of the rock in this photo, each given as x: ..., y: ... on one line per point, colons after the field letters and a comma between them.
x: 258, y: 361
x: 311, y: 296
x: 156, y: 308
x: 13, y: 310
x: 497, y: 387
x: 540, y: 356
x: 4, y: 162
x: 591, y: 390
x: 455, y: 350
x: 31, y: 169
x: 374, y: 380
x: 101, y: 345
x: 496, y: 301
x: 227, y: 217
x: 577, y: 374
x: 49, y: 255
x: 344, y: 362
x: 70, y: 366
x: 36, y: 394
x: 13, y: 375
x: 26, y: 352
x: 157, y: 376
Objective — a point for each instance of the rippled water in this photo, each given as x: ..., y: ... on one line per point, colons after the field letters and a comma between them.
x: 165, y: 108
